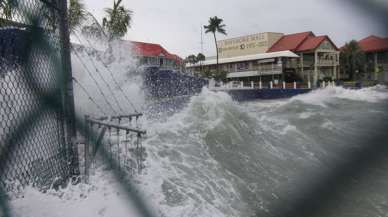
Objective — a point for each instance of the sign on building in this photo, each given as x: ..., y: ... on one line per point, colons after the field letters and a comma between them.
x: 247, y: 45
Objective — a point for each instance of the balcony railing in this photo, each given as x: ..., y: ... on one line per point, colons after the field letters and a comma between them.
x: 310, y: 63
x: 327, y: 63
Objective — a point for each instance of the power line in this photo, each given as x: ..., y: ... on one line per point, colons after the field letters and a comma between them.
x: 111, y: 74
x: 89, y: 96
x: 95, y: 81
x: 103, y: 80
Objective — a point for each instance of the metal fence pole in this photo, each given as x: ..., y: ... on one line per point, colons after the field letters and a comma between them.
x: 68, y: 95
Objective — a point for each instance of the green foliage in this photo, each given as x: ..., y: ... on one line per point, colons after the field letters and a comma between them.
x: 76, y: 14
x: 201, y: 57
x: 6, y: 9
x: 206, y: 74
x: 118, y: 20
x: 220, y: 76
x: 192, y: 59
x: 215, y: 25
x: 353, y: 60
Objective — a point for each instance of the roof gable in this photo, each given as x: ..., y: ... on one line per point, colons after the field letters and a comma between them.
x: 313, y: 43
x: 290, y: 42
x: 153, y: 50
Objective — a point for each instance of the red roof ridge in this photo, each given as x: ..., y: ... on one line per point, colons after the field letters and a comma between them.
x: 371, y: 37
x: 373, y: 44
x: 290, y: 41
x: 152, y: 50
x: 142, y: 42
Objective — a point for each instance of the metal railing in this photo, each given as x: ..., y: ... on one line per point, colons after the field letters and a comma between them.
x: 122, y: 140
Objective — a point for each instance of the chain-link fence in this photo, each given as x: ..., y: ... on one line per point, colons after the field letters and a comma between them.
x: 34, y: 149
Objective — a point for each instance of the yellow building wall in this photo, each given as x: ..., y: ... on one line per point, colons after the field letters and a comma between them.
x: 247, y: 45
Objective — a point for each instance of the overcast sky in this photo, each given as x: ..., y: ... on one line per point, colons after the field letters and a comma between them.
x: 176, y: 24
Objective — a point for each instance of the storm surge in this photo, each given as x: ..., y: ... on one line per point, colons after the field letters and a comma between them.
x: 217, y: 157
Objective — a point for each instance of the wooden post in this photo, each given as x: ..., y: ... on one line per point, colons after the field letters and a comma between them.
x: 315, y: 78
x: 375, y: 66
x: 302, y: 63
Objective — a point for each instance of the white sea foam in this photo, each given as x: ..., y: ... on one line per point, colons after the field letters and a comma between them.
x: 322, y: 96
x: 103, y: 197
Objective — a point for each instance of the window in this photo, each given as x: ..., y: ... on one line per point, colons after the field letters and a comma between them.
x: 242, y: 66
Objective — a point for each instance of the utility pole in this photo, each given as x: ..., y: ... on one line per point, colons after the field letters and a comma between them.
x: 201, y: 39
x: 201, y: 47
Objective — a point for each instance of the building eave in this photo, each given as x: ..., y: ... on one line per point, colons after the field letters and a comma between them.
x: 261, y: 56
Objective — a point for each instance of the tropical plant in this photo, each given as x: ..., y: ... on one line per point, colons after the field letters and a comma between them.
x: 6, y: 8
x: 201, y: 57
x: 215, y: 25
x: 118, y: 20
x: 76, y: 14
x: 353, y: 60
x: 192, y: 59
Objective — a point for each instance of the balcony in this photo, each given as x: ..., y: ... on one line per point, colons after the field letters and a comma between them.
x: 327, y: 63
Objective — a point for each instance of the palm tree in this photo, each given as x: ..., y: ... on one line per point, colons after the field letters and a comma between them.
x: 353, y: 59
x: 6, y: 9
x: 118, y: 20
x: 76, y: 14
x: 215, y: 25
x: 192, y: 59
x: 200, y: 59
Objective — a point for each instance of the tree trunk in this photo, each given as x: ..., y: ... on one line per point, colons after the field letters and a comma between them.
x: 215, y: 40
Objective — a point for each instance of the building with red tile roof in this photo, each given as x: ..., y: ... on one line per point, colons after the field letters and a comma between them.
x: 302, y: 57
x: 376, y: 50
x: 300, y: 42
x: 319, y: 56
x: 374, y: 44
x: 151, y: 54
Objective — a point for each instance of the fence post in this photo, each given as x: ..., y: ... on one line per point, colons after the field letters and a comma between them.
x: 86, y: 149
x: 67, y: 89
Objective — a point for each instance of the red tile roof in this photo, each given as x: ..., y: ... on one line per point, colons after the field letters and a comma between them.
x: 311, y: 43
x: 290, y: 42
x: 373, y: 44
x: 300, y: 42
x: 153, y: 50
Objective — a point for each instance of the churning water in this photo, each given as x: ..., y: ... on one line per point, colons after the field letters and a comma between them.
x: 217, y: 157
x: 220, y: 158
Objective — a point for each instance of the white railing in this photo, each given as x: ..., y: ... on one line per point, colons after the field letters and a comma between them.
x: 327, y: 63
x: 259, y: 85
